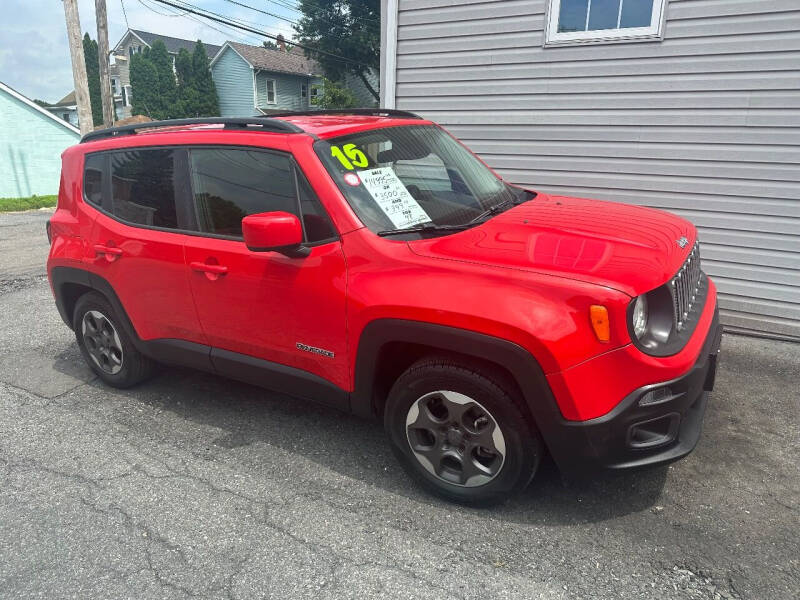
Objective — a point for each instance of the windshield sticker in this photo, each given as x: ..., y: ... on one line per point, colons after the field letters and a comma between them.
x: 352, y: 179
x: 393, y: 197
x: 350, y: 156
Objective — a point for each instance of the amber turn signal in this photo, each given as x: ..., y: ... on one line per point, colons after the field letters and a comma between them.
x: 599, y: 317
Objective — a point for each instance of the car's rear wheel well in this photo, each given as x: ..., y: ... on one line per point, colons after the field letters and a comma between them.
x: 395, y: 358
x: 70, y: 294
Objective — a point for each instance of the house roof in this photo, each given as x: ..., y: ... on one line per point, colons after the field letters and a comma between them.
x: 67, y: 100
x: 25, y: 100
x: 173, y: 44
x: 278, y: 61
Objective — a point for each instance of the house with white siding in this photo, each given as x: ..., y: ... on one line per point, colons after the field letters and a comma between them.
x: 691, y: 106
x: 31, y: 142
x: 252, y: 80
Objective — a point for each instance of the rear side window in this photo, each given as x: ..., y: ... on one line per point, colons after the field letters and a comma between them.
x: 93, y: 178
x: 143, y: 187
x: 229, y: 184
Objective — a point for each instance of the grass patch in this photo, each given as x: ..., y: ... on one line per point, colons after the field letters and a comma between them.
x: 30, y: 203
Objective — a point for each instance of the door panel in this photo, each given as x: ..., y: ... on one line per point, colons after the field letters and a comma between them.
x: 148, y: 272
x: 264, y: 304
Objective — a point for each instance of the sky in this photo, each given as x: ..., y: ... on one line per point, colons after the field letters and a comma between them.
x: 34, y: 52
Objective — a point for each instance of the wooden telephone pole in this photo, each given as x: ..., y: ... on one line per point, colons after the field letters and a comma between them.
x: 78, y: 66
x: 103, y: 55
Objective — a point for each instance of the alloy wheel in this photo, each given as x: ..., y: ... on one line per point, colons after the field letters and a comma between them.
x: 102, y: 342
x: 455, y: 438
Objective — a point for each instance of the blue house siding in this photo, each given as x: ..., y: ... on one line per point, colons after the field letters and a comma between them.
x: 288, y: 91
x: 234, y: 80
x: 31, y: 143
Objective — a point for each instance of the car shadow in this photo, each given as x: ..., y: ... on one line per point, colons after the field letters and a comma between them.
x: 357, y: 448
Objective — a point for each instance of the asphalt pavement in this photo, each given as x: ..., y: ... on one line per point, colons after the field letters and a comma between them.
x: 191, y: 485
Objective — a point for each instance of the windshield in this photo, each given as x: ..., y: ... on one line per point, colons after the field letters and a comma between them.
x: 402, y: 177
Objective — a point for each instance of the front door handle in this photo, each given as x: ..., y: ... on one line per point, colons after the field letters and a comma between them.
x: 110, y: 252
x: 212, y: 272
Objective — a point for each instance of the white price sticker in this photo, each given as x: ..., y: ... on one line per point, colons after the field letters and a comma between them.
x: 393, y: 197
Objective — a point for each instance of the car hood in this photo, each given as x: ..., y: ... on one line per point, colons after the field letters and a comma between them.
x: 628, y: 248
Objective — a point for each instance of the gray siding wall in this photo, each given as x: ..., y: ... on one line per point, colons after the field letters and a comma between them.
x: 287, y: 91
x: 234, y: 80
x: 360, y: 91
x: 705, y: 123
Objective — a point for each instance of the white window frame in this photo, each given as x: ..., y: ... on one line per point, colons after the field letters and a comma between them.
x: 314, y: 99
x: 274, y: 91
x: 631, y: 34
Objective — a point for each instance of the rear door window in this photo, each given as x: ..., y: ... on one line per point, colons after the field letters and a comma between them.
x: 143, y: 184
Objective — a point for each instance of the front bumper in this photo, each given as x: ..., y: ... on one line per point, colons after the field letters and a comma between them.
x: 654, y: 424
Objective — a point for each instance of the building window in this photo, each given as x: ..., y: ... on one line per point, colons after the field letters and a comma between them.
x: 304, y: 90
x: 130, y: 51
x: 126, y: 95
x: 586, y: 21
x: 316, y: 94
x: 272, y: 96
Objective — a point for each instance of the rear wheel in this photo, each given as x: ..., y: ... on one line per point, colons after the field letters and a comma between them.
x: 458, y: 429
x: 105, y: 345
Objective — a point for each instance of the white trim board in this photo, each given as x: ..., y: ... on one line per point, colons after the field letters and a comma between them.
x: 390, y: 99
x: 15, y: 94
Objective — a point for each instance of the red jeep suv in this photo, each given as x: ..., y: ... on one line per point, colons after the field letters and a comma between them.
x: 369, y: 261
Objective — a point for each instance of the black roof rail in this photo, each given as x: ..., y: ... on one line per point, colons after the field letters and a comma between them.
x: 264, y: 123
x: 370, y: 112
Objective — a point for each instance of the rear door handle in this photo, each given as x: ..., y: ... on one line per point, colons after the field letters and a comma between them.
x: 110, y: 252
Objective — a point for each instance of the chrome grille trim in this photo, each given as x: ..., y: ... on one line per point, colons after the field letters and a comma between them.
x: 684, y: 287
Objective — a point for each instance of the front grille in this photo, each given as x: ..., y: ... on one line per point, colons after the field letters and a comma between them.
x: 685, y: 286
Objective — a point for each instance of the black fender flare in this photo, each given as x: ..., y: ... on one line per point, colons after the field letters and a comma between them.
x: 520, y: 363
x: 63, y: 275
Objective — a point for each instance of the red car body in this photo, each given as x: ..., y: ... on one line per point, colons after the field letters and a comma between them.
x: 526, y: 278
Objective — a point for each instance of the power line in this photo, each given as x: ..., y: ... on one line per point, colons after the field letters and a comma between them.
x: 263, y: 12
x: 122, y: 2
x: 207, y: 14
x: 316, y: 6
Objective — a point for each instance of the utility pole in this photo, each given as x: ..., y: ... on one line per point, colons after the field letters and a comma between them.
x: 78, y: 66
x: 103, y: 56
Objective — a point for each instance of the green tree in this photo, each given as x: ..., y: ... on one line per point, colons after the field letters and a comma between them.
x: 153, y: 86
x: 207, y: 100
x: 184, y: 68
x: 90, y: 57
x: 346, y: 28
x: 144, y: 86
x: 336, y: 96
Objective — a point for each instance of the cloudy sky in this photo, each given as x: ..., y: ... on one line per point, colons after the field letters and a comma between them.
x: 34, y: 53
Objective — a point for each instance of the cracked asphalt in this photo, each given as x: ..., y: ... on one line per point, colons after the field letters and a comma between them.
x: 195, y: 486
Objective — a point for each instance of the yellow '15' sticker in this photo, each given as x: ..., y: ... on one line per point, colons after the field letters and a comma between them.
x: 350, y: 156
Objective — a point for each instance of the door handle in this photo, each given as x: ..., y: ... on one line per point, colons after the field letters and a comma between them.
x: 207, y: 268
x: 110, y: 252
x: 212, y: 272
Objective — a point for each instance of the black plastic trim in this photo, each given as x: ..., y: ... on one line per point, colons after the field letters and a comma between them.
x: 369, y: 112
x: 278, y: 377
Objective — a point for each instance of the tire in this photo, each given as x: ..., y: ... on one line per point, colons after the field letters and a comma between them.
x: 458, y: 429
x: 105, y: 344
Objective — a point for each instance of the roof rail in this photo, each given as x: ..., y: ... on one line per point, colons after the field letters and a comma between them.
x: 264, y: 123
x: 371, y: 112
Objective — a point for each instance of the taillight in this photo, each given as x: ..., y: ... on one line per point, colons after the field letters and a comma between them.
x: 49, y: 233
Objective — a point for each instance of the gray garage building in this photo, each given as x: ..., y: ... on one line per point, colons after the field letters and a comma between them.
x: 687, y: 105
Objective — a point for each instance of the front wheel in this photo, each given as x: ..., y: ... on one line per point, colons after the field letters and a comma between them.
x: 458, y: 430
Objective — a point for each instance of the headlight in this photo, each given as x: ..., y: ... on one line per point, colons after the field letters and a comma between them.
x: 639, y: 317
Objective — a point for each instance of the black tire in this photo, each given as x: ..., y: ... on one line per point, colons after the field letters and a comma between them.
x: 511, y: 464
x: 114, y: 358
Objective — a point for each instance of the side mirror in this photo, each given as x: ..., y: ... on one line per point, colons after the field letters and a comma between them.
x: 274, y: 231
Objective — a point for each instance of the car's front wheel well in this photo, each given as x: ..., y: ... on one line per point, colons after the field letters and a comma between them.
x: 395, y: 358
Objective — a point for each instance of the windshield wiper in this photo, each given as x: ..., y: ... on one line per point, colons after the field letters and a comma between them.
x: 424, y: 229
x: 497, y: 208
